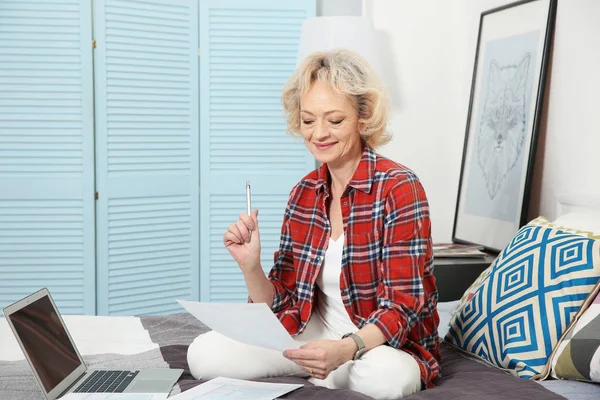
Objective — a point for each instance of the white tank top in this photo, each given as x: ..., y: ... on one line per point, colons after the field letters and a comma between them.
x: 330, y: 307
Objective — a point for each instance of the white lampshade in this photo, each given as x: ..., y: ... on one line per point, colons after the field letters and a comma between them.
x: 326, y: 33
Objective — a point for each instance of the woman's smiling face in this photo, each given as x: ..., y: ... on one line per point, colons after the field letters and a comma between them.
x: 329, y: 125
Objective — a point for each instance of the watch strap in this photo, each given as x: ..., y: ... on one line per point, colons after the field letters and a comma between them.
x: 359, y: 342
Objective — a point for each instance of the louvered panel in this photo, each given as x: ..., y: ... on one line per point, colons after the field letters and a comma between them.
x: 255, y: 35
x: 41, y: 246
x: 46, y: 153
x: 40, y: 135
x: 147, y: 91
x: 139, y: 127
x: 248, y: 52
x: 149, y: 237
x: 227, y: 283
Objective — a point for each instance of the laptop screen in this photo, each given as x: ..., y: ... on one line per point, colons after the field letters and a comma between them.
x: 46, y: 342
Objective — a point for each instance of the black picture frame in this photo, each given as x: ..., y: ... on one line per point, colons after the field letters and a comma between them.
x: 511, y: 64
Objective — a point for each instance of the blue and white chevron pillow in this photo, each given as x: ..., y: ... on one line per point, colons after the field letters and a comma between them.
x: 517, y: 315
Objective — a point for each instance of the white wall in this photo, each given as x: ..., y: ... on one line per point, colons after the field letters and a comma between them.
x: 331, y: 8
x: 420, y: 44
x: 429, y: 49
x: 570, y: 149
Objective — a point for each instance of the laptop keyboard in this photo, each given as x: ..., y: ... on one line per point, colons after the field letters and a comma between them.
x: 106, y: 382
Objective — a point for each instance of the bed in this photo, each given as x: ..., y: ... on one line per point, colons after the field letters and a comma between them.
x: 162, y: 341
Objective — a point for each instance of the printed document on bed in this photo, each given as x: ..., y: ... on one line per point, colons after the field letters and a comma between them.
x: 235, y: 389
x: 250, y: 323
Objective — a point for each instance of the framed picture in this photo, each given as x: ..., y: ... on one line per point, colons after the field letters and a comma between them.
x: 505, y: 106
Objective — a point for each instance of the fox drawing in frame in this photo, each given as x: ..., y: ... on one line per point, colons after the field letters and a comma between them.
x: 501, y: 135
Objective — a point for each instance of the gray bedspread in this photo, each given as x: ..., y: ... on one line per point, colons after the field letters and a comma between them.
x: 463, y: 378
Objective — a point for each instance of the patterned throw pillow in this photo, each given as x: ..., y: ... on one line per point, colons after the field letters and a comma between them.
x: 578, y: 355
x: 470, y: 292
x: 542, y: 221
x: 539, y: 221
x: 516, y: 312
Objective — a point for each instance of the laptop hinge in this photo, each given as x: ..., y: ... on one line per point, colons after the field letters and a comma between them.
x: 72, y: 384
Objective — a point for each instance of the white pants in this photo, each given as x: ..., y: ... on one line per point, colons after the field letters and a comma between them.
x: 382, y: 373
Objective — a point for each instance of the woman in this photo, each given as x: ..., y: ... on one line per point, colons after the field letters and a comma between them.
x: 352, y: 279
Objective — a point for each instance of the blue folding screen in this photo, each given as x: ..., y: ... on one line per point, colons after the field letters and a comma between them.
x: 247, y: 51
x: 179, y: 107
x: 47, y: 153
x: 146, y: 89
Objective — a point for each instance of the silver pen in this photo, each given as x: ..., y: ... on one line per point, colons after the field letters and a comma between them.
x: 248, y: 205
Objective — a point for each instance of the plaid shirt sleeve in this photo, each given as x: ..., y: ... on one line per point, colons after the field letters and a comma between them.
x: 406, y: 239
x: 283, y: 273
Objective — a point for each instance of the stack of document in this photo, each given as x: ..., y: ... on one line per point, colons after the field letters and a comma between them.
x: 454, y: 250
x: 235, y: 389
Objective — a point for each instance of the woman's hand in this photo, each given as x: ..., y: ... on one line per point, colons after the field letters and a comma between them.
x: 242, y: 239
x: 319, y: 357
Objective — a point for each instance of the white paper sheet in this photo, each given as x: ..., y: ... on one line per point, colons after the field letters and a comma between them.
x: 250, y: 323
x: 114, y: 396
x: 235, y: 389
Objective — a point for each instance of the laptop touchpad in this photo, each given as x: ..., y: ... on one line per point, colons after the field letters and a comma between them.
x: 150, y: 386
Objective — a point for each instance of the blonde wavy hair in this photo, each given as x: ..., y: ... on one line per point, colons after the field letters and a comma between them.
x: 350, y: 75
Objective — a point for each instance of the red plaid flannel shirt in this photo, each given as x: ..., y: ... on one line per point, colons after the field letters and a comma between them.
x: 387, y: 262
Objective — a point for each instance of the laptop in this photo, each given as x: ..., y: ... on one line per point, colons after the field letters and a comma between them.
x: 57, y: 364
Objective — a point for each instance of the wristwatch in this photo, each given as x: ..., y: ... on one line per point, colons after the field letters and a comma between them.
x: 359, y: 342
